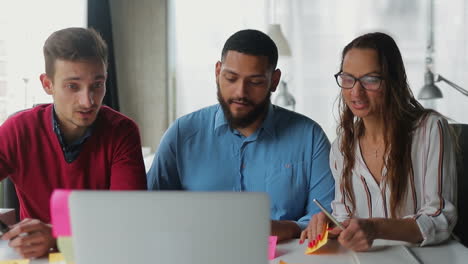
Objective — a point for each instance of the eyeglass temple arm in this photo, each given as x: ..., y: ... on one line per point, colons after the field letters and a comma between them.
x: 458, y: 88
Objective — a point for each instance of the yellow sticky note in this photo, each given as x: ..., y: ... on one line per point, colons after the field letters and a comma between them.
x: 56, y: 258
x: 320, y: 243
x: 16, y: 261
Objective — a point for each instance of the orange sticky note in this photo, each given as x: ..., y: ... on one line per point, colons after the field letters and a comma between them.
x: 320, y: 243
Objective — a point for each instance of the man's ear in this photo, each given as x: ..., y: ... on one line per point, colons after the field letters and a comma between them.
x: 275, y: 79
x: 218, y: 69
x: 46, y: 84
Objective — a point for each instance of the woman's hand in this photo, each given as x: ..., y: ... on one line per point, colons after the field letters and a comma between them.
x: 316, y: 229
x: 359, y: 234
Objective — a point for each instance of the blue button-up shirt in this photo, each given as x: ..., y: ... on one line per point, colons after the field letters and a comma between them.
x: 287, y: 157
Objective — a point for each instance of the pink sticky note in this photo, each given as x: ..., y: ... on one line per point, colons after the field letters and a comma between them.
x: 272, y: 247
x: 60, y: 213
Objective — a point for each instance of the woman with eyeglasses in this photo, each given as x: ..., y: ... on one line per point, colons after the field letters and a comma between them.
x: 393, y: 161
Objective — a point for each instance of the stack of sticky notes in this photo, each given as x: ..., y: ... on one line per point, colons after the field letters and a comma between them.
x: 61, y: 228
x: 320, y: 243
x: 56, y: 258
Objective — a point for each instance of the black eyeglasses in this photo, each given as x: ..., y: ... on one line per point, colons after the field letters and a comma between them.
x: 347, y: 81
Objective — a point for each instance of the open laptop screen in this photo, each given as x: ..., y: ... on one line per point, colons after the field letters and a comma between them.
x: 169, y: 227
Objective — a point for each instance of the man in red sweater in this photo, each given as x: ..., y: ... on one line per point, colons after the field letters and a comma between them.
x: 74, y: 143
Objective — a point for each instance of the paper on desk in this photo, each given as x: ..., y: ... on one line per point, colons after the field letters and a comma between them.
x: 60, y: 213
x: 386, y: 255
x: 321, y: 243
x: 9, y: 256
x: 272, y: 247
x: 17, y: 261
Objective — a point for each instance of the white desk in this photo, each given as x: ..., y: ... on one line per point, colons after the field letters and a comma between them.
x: 293, y: 253
x: 383, y: 252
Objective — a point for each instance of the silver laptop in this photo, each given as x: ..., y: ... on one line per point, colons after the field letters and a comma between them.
x: 169, y: 227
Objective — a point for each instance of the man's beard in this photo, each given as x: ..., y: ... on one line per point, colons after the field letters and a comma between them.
x: 242, y: 122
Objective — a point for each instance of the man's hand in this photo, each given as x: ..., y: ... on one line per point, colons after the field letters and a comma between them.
x: 31, y: 238
x: 285, y: 229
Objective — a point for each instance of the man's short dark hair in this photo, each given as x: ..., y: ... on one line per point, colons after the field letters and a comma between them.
x: 252, y: 42
x: 73, y: 44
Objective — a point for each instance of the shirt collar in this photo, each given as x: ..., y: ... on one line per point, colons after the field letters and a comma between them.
x: 220, y: 119
x: 59, y: 133
x: 268, y: 124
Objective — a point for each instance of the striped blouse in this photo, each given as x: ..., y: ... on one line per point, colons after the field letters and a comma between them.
x: 432, y: 186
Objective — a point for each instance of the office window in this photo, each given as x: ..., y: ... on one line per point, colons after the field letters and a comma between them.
x: 25, y: 25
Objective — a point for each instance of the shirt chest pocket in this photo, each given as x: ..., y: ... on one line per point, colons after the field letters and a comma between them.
x: 287, y: 182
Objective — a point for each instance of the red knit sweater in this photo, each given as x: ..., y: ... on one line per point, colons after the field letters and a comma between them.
x: 31, y: 155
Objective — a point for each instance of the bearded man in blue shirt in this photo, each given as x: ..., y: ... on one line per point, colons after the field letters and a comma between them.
x: 245, y: 143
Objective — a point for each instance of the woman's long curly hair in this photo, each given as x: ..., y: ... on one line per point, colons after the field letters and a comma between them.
x: 400, y: 112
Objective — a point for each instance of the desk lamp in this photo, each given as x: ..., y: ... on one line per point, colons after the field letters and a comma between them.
x: 430, y: 90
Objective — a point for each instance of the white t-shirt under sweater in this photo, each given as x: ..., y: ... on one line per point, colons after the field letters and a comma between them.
x: 431, y: 194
